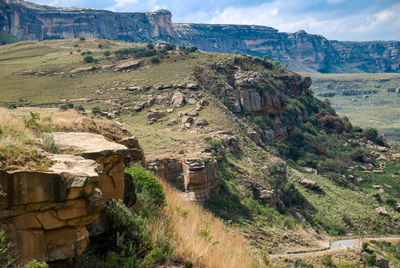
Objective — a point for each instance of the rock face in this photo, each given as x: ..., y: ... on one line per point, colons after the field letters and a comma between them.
x: 251, y: 92
x: 28, y: 21
x: 300, y: 50
x: 197, y: 176
x: 46, y: 213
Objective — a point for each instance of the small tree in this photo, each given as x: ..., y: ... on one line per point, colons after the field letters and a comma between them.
x: 96, y: 110
x: 88, y: 59
x: 150, y: 46
x: 107, y: 54
x: 82, y: 38
x: 155, y: 59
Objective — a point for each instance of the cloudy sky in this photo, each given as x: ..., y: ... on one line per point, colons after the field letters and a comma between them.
x: 356, y: 20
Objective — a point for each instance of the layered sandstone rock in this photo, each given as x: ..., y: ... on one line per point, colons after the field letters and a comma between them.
x: 198, y: 176
x: 46, y: 213
x: 28, y: 21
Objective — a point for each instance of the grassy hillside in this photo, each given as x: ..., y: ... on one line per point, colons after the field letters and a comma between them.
x: 38, y: 74
x: 369, y: 100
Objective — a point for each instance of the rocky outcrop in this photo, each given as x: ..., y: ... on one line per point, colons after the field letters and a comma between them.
x: 252, y: 93
x: 46, y: 213
x: 28, y: 21
x: 300, y: 51
x: 195, y: 176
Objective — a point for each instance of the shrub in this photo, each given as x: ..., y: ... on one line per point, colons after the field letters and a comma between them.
x: 82, y: 38
x: 336, y: 229
x: 161, y: 251
x: 88, y: 59
x: 80, y: 108
x: 100, y: 46
x: 150, y: 46
x: 155, y: 59
x: 11, y: 106
x: 36, y: 264
x: 327, y: 260
x: 369, y: 259
x: 107, y: 53
x: 170, y: 47
x: 371, y: 134
x: 96, y: 110
x: 49, y: 145
x: 66, y: 106
x: 6, y: 258
x: 147, y: 184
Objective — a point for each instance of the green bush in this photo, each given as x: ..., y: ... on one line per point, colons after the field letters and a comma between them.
x: 155, y: 59
x: 6, y: 257
x: 66, y: 106
x: 161, y: 251
x: 147, y: 184
x: 327, y: 260
x: 96, y: 110
x: 371, y: 134
x: 107, y: 53
x: 369, y: 259
x: 82, y: 38
x: 89, y: 58
x: 36, y: 264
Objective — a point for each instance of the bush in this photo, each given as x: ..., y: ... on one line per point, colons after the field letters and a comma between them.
x: 66, y: 106
x: 107, y: 53
x: 150, y: 46
x: 155, y: 59
x: 96, y: 110
x: 80, y: 108
x: 146, y: 183
x: 88, y: 59
x: 161, y: 251
x: 370, y: 134
x: 369, y: 259
x: 36, y: 264
x: 170, y: 47
x: 82, y: 38
x: 6, y: 258
x: 327, y: 260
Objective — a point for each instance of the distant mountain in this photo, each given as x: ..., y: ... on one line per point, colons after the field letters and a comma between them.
x: 300, y: 51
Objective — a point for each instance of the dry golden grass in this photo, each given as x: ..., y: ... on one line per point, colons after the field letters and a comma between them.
x: 71, y: 120
x: 18, y: 144
x: 201, y: 237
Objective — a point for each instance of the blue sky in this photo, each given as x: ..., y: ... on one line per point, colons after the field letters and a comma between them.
x: 356, y: 20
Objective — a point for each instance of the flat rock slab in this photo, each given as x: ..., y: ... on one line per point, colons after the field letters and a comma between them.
x: 85, y: 142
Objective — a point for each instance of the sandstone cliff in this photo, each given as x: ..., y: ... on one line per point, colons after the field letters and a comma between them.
x: 300, y: 51
x: 46, y: 214
x: 29, y: 21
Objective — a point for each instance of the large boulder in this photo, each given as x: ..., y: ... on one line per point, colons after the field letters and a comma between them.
x: 178, y: 99
x: 155, y: 114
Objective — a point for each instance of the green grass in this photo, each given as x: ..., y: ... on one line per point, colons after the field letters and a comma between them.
x: 380, y: 110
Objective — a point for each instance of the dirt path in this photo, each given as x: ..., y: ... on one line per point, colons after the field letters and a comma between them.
x: 337, y: 245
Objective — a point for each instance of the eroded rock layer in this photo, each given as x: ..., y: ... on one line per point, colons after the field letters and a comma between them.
x: 46, y: 213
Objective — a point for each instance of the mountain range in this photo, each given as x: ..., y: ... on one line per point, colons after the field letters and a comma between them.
x: 300, y: 51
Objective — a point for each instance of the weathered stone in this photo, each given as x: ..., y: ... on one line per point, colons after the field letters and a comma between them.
x: 29, y: 244
x: 309, y: 184
x: 190, y: 112
x: 192, y: 86
x: 187, y: 120
x: 201, y: 122
x: 83, y: 69
x: 191, y: 100
x: 155, y: 114
x: 162, y: 99
x: 381, y: 211
x: 172, y: 122
x: 178, y: 99
x: 128, y: 65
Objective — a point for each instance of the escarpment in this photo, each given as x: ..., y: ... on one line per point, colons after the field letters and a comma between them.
x: 50, y: 215
x: 28, y: 21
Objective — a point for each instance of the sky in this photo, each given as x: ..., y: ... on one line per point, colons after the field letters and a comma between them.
x: 350, y: 20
